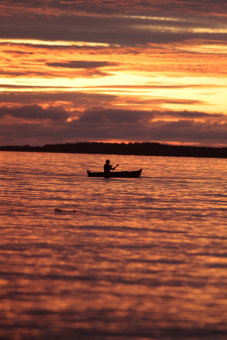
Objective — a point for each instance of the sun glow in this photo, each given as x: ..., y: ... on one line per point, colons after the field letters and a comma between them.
x: 166, y: 91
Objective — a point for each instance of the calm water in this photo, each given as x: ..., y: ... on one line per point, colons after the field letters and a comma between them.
x: 140, y: 258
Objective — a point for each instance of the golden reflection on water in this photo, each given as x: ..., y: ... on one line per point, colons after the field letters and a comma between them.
x: 142, y: 258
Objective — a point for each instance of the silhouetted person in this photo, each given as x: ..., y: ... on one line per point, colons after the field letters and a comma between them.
x: 108, y: 167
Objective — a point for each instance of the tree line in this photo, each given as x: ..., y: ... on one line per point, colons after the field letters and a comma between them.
x: 146, y: 149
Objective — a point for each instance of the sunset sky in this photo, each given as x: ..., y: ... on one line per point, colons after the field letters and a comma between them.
x: 118, y: 71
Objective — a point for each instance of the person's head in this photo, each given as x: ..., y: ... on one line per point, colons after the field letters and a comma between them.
x: 107, y: 161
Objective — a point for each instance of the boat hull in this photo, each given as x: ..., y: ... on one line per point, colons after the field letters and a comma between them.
x: 124, y: 174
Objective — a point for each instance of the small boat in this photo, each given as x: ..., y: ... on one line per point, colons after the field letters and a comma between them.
x: 126, y: 174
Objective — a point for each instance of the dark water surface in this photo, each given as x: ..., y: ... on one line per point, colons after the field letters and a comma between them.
x: 127, y: 259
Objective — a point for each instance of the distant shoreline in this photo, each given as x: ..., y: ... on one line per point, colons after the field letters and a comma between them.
x: 141, y: 149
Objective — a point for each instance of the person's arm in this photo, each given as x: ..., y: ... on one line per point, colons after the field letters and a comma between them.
x: 115, y: 167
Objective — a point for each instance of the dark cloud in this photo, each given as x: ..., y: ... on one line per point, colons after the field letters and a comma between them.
x: 181, y: 126
x: 120, y: 30
x: 181, y: 132
x: 82, y: 64
x: 114, y: 22
x: 189, y: 131
x: 70, y: 99
x: 148, y: 7
x: 113, y: 116
x: 34, y: 112
x: 135, y: 116
x: 132, y: 125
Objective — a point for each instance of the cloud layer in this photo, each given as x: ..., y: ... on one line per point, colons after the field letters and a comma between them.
x: 113, y: 71
x: 33, y: 123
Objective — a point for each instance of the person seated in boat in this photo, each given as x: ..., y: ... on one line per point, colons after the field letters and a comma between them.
x: 108, y: 167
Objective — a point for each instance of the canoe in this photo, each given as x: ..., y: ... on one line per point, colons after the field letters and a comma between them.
x: 126, y: 174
